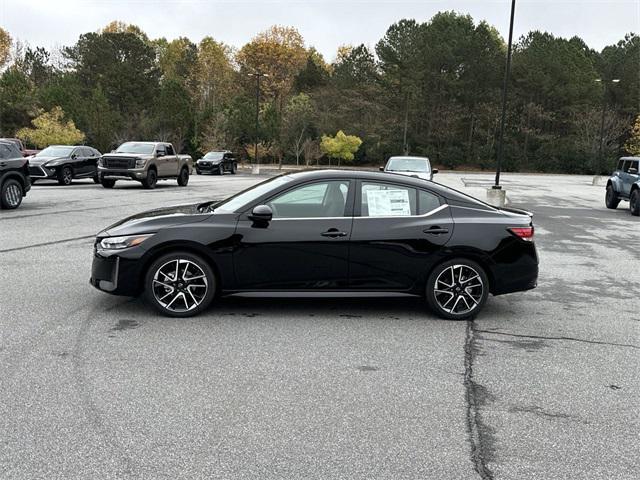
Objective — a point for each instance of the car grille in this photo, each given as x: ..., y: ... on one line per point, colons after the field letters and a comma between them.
x: 204, y: 164
x: 118, y: 163
x: 36, y: 172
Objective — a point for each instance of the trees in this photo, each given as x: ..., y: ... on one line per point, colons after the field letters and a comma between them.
x: 298, y: 116
x: 632, y: 145
x: 51, y: 128
x: 341, y: 147
x: 5, y: 46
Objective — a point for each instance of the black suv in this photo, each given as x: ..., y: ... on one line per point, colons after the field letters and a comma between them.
x: 217, y: 162
x: 14, y: 176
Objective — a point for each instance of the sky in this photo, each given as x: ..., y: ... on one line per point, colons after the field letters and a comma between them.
x: 324, y: 24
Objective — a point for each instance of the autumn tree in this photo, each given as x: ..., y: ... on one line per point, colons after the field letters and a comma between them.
x: 340, y: 147
x: 279, y: 53
x: 5, y: 46
x: 51, y: 128
x: 632, y: 146
x: 298, y: 115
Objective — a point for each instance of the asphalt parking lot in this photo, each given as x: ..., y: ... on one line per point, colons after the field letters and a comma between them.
x: 542, y: 385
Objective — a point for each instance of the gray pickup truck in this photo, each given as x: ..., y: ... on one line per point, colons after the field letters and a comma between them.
x: 146, y: 162
x: 624, y: 184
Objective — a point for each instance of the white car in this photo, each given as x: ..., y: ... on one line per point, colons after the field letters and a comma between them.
x: 419, y: 167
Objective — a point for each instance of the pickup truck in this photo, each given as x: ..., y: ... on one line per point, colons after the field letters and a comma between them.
x: 145, y: 162
x: 624, y: 184
x: 26, y: 152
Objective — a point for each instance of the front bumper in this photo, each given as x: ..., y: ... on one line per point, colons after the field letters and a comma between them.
x: 122, y: 174
x: 39, y: 171
x: 207, y: 167
x: 116, y: 274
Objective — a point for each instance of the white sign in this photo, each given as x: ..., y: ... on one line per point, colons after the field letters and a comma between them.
x: 388, y: 203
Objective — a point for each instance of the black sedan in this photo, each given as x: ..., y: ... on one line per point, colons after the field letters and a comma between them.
x: 322, y: 233
x: 64, y: 163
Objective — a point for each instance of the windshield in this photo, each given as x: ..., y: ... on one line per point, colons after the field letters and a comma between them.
x: 232, y: 204
x: 55, y: 151
x: 408, y: 165
x: 213, y: 156
x: 136, y: 147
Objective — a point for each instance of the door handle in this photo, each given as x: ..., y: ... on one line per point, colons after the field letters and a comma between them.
x: 333, y: 233
x: 436, y: 230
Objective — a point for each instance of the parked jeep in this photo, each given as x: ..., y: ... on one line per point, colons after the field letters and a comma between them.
x: 14, y: 176
x: 624, y: 184
x: 146, y: 162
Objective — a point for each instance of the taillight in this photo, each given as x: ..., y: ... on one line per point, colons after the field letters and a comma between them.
x: 525, y: 233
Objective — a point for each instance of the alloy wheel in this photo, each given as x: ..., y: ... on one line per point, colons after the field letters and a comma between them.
x: 180, y: 285
x: 458, y: 289
x: 13, y: 195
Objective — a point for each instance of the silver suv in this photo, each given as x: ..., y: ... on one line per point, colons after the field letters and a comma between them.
x: 624, y: 184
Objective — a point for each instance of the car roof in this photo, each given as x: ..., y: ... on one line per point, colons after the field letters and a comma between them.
x: 408, y: 157
x: 629, y: 158
x: 449, y: 193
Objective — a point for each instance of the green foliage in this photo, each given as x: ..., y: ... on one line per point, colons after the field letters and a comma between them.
x: 51, y: 128
x: 340, y: 147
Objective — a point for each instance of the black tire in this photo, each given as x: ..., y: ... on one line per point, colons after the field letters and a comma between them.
x: 96, y: 179
x: 218, y: 171
x: 107, y: 182
x: 458, y: 281
x: 611, y: 199
x: 170, y: 296
x: 234, y: 168
x: 634, y: 203
x: 183, y: 178
x: 198, y: 172
x: 11, y: 194
x: 65, y: 175
x: 151, y: 180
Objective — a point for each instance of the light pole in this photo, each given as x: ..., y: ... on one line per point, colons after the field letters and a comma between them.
x: 605, y: 83
x: 505, y: 86
x: 256, y: 167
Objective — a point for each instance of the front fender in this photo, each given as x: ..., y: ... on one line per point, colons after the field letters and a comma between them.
x: 616, y: 182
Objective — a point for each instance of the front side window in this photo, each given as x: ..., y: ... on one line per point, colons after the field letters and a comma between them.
x: 315, y: 200
x: 627, y: 165
x: 387, y: 200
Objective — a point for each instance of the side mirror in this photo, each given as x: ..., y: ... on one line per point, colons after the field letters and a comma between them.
x: 261, y: 213
x: 633, y: 171
x: 74, y: 156
x: 159, y: 154
x: 381, y: 169
x: 434, y: 171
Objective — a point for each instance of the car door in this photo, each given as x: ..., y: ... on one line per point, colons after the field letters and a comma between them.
x: 397, y: 230
x: 626, y: 178
x: 171, y: 161
x: 632, y: 175
x: 306, y: 244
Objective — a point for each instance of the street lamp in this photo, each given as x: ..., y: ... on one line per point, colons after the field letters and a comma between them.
x: 256, y: 168
x: 604, y: 107
x: 496, y: 195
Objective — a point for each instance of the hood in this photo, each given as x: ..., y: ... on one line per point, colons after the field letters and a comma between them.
x: 42, y: 160
x: 127, y: 155
x: 154, y: 220
x: 422, y: 175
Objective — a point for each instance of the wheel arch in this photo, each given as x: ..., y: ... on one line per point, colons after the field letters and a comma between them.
x: 479, y: 257
x: 186, y: 246
x: 16, y: 176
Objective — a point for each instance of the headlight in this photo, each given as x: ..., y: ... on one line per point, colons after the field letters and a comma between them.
x: 118, y: 243
x: 100, y: 164
x: 140, y: 162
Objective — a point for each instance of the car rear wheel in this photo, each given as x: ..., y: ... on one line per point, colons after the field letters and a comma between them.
x: 107, y: 182
x: 611, y: 199
x: 65, y: 175
x: 634, y: 202
x: 11, y: 194
x: 96, y: 179
x: 180, y: 284
x: 183, y: 178
x: 151, y: 180
x: 457, y: 289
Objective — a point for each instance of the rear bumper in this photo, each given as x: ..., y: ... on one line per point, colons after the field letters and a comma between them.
x: 515, y: 272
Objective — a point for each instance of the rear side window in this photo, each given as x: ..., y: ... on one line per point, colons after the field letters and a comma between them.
x: 387, y: 200
x: 169, y: 150
x: 427, y: 202
x: 634, y: 164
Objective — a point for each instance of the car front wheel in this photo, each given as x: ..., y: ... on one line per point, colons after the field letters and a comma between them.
x: 457, y: 289
x: 151, y: 180
x: 611, y: 199
x: 65, y: 176
x: 180, y: 284
x: 634, y: 202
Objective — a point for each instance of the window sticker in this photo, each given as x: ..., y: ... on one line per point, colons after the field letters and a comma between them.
x: 388, y: 203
